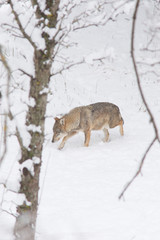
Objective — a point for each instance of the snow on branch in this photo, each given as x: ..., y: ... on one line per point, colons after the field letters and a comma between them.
x: 38, y: 11
x: 94, y: 14
x: 78, y: 15
x: 89, y: 59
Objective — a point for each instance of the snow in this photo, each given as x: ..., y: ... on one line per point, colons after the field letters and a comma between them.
x: 29, y: 164
x: 100, y: 54
x: 34, y: 128
x: 79, y: 187
x: 87, y: 183
x: 45, y: 90
x: 36, y: 160
x: 31, y: 102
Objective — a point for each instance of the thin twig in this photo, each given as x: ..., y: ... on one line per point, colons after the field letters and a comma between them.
x: 11, y: 214
x: 9, y: 113
x: 6, y: 66
x: 143, y: 99
x: 68, y: 67
x: 25, y: 73
x: 136, y: 70
x: 26, y: 36
x: 76, y: 64
x: 150, y: 64
x: 139, y: 169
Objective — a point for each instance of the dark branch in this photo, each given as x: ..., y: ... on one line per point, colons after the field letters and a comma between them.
x: 143, y: 98
x: 136, y: 70
x: 139, y: 169
x: 6, y: 66
x: 25, y: 73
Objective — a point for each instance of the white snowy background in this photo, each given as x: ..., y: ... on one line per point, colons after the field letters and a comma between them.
x: 79, y: 187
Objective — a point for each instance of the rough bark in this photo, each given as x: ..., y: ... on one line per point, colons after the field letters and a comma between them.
x: 29, y: 185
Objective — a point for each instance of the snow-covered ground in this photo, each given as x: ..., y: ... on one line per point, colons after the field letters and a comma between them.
x: 79, y: 187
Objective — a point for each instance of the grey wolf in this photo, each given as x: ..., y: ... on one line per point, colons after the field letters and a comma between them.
x: 97, y: 116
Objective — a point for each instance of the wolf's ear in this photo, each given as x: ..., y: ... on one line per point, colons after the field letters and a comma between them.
x: 62, y: 121
x: 56, y: 118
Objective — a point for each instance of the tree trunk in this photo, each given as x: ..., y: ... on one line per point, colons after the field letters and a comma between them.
x: 35, y: 120
x: 29, y: 185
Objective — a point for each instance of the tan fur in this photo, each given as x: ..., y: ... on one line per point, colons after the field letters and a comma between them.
x: 97, y: 116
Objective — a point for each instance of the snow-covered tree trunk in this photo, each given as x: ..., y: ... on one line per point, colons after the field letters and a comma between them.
x: 35, y: 120
x: 25, y: 222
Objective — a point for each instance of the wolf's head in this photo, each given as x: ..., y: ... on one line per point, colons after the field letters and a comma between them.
x: 59, y: 129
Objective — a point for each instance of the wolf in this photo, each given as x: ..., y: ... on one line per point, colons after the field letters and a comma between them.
x: 97, y: 116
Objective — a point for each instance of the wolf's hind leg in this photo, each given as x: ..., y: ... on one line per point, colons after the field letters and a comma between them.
x: 87, y: 138
x: 121, y: 128
x: 106, y: 134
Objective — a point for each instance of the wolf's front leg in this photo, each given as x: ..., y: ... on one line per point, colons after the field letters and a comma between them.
x: 65, y: 139
x: 62, y: 144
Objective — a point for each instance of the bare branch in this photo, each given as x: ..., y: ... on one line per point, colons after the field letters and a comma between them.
x: 9, y: 113
x: 136, y: 70
x: 150, y: 50
x: 139, y: 169
x: 78, y: 23
x: 150, y: 72
x: 144, y: 101
x: 149, y: 64
x: 4, y: 62
x: 13, y: 215
x: 103, y: 22
x: 17, y: 134
x: 20, y: 25
x: 4, y: 140
x: 5, y: 187
x: 73, y: 64
x: 25, y: 73
x: 68, y: 67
